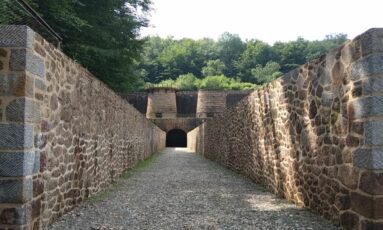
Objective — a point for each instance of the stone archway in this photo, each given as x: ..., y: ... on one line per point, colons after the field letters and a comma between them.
x: 176, y: 138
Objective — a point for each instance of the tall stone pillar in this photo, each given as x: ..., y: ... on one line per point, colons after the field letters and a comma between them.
x: 19, y: 119
x: 161, y: 103
x: 210, y: 102
x: 366, y: 118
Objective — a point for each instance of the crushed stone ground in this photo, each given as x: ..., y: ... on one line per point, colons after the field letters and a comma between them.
x: 182, y: 190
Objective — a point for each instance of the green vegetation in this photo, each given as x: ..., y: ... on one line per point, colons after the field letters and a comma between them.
x: 102, y: 35
x: 126, y: 175
x: 228, y: 63
x: 218, y: 82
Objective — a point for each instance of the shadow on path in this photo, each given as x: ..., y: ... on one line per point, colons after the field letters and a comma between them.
x: 182, y: 190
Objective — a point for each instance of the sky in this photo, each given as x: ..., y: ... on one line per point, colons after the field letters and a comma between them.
x: 266, y: 20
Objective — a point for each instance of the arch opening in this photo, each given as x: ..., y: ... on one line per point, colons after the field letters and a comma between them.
x: 176, y: 138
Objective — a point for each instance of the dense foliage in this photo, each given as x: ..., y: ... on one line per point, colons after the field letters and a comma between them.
x: 228, y: 63
x: 103, y: 36
x: 218, y: 82
x: 100, y: 34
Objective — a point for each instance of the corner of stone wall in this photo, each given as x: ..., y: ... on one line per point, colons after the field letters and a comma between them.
x: 366, y: 112
x: 19, y: 121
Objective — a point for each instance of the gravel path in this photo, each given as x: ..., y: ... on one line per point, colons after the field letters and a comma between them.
x: 181, y: 190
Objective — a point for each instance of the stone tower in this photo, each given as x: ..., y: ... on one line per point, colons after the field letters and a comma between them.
x: 210, y: 102
x: 161, y: 103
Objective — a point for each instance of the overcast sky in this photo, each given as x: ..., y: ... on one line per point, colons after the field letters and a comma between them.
x: 267, y: 20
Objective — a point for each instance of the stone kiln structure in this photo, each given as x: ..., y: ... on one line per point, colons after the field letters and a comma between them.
x: 171, y: 109
x: 313, y: 136
x: 161, y: 103
x: 210, y: 103
x: 64, y: 135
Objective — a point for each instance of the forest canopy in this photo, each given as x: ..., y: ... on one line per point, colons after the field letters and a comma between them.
x: 228, y: 63
x: 104, y: 36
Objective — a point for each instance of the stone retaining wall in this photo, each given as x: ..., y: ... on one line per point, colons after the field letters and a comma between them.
x: 138, y: 100
x: 186, y: 103
x: 64, y: 135
x: 313, y: 136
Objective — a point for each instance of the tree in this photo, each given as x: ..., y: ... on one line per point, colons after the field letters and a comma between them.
x: 101, y: 34
x: 169, y: 58
x: 187, y: 82
x: 256, y: 53
x: 184, y: 56
x: 12, y: 13
x: 230, y: 47
x: 213, y: 67
x: 292, y: 54
x: 251, y: 61
x: 267, y: 73
x: 316, y: 48
x: 152, y: 68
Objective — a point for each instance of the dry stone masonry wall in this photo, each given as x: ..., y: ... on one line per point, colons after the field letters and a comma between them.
x: 64, y: 135
x: 313, y: 136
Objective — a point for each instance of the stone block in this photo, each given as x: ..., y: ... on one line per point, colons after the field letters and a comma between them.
x: 349, y: 220
x: 35, y: 65
x: 17, y: 164
x: 374, y: 133
x: 349, y: 176
x: 327, y: 99
x: 370, y: 225
x: 41, y: 139
x: 368, y: 158
x: 17, y: 191
x: 364, y: 205
x: 22, y: 59
x: 3, y: 53
x: 36, y: 209
x: 325, y: 77
x: 378, y: 208
x: 352, y: 141
x: 14, y: 216
x: 371, y: 41
x: 40, y: 84
x: 337, y: 73
x: 371, y: 65
x: 16, y: 36
x: 357, y: 127
x: 18, y: 60
x: 36, y: 162
x: 16, y: 136
x: 371, y: 183
x: 16, y: 85
x: 54, y: 103
x: 342, y: 202
x: 38, y: 187
x: 372, y: 85
x: 366, y: 107
x: 23, y: 110
x: 351, y: 52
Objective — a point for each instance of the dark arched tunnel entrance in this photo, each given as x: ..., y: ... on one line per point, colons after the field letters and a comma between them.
x: 176, y: 138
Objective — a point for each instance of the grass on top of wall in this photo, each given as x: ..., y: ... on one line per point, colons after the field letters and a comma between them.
x: 124, y: 176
